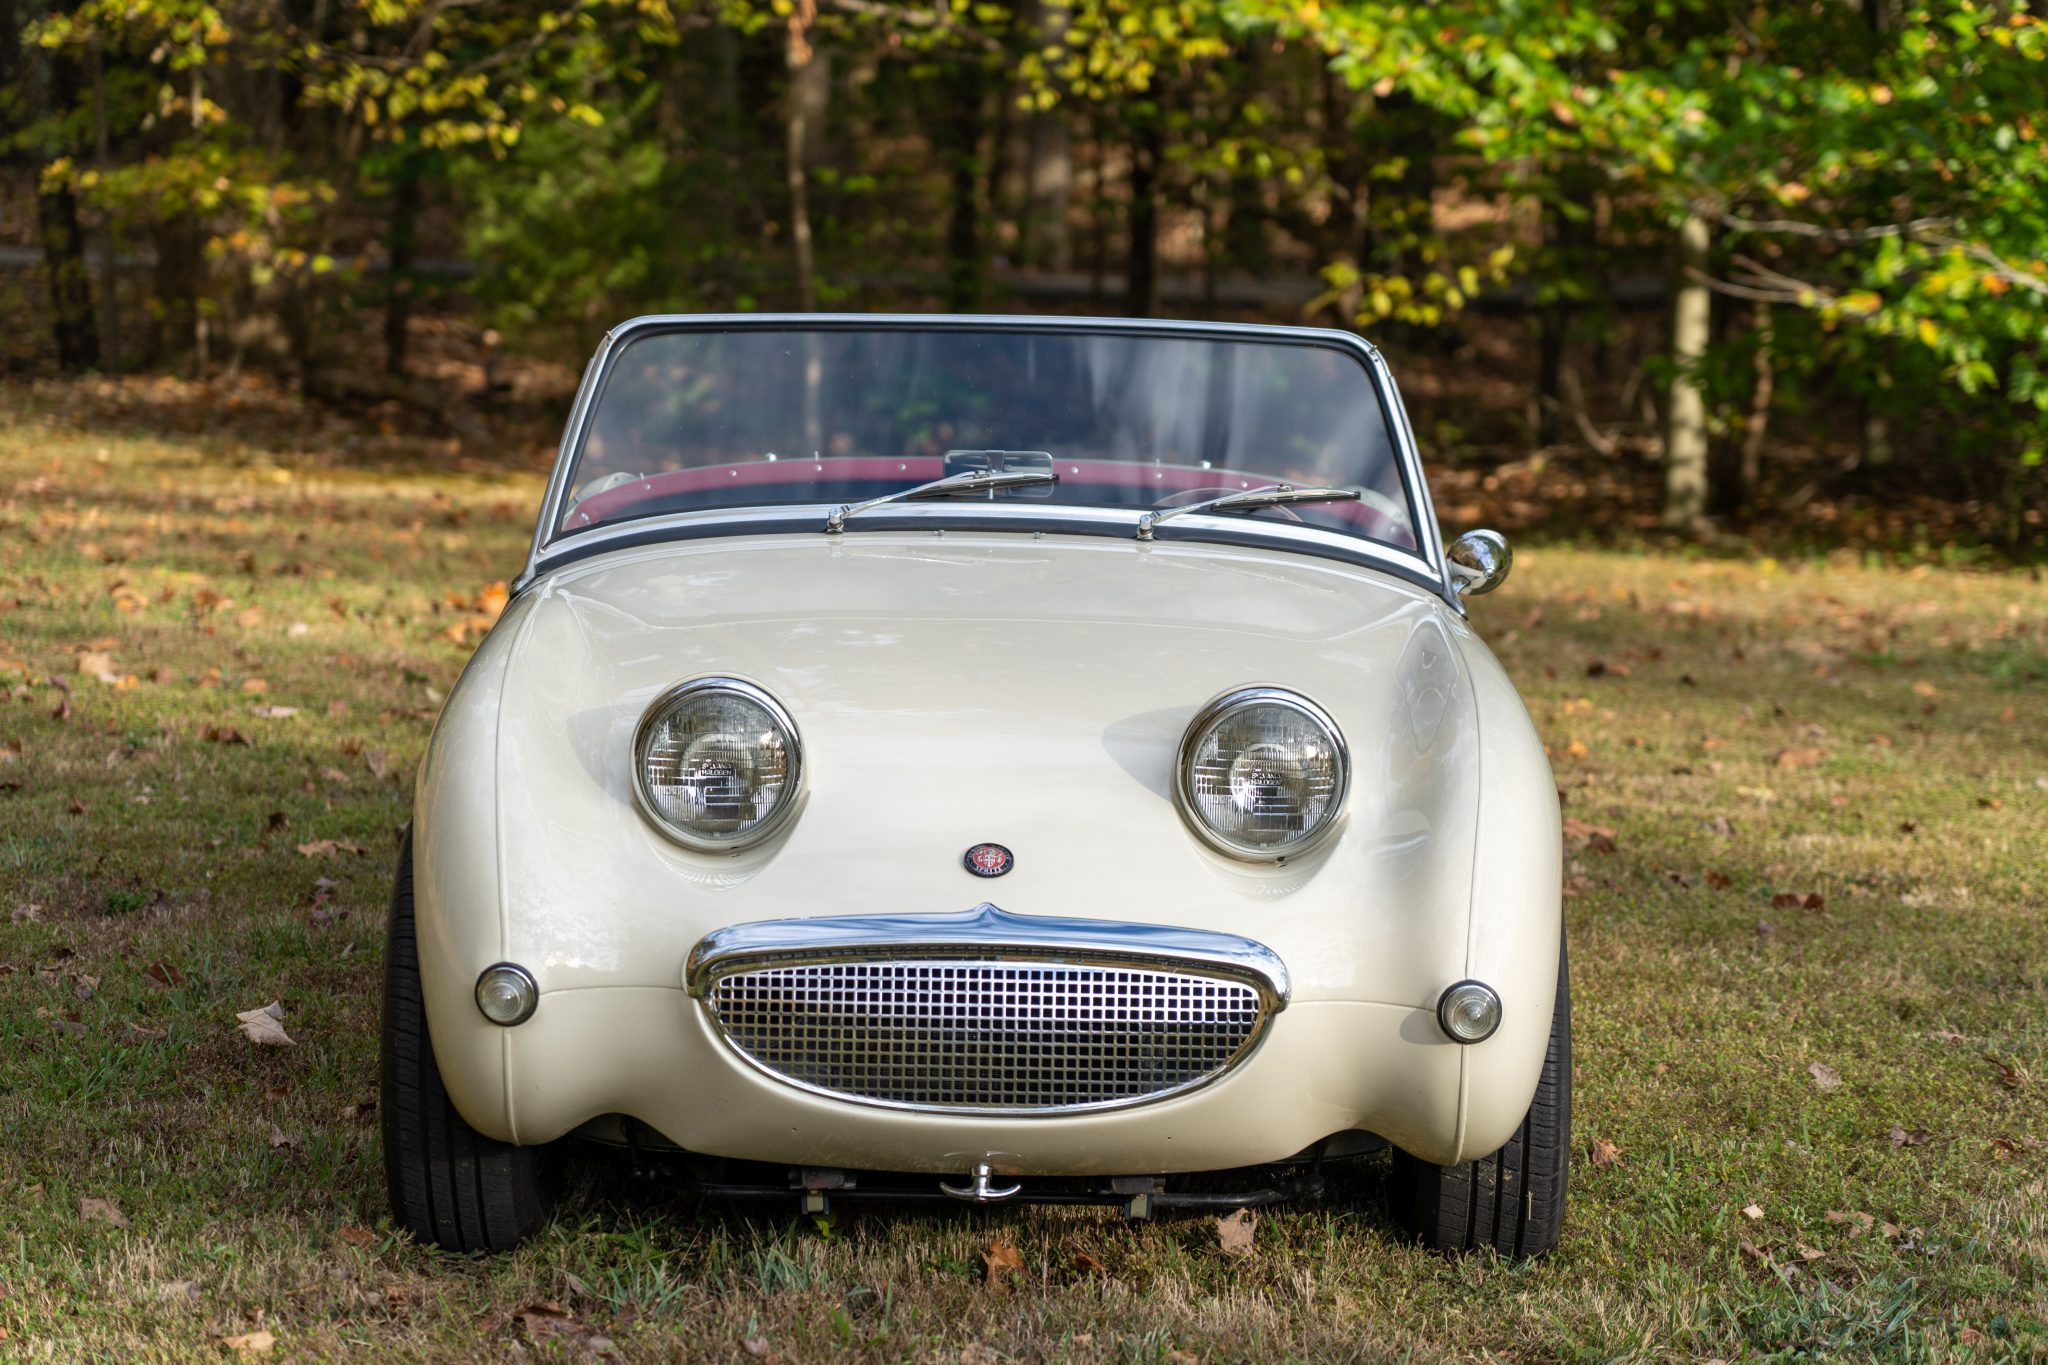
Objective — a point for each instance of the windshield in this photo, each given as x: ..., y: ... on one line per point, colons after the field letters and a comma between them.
x: 690, y: 420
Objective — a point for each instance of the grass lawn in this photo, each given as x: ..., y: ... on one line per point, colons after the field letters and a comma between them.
x: 1810, y: 856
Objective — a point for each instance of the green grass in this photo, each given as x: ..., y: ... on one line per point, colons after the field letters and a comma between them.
x: 1756, y: 730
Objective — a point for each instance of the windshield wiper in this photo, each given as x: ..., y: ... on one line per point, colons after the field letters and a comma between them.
x: 1272, y: 495
x: 953, y: 485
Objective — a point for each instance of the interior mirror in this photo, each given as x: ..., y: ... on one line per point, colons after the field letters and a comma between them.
x: 1480, y: 561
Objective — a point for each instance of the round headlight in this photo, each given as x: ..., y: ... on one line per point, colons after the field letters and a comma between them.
x: 716, y: 764
x: 1262, y: 773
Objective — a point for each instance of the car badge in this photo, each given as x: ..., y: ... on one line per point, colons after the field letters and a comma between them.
x: 989, y: 860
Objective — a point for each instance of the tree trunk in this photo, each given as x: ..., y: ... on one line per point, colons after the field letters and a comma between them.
x: 1141, y: 267
x: 399, y: 242
x: 1751, y: 473
x: 801, y: 60
x: 1685, y: 429
x: 78, y: 344
x: 962, y: 135
x: 1051, y: 187
x: 71, y: 311
x: 103, y: 235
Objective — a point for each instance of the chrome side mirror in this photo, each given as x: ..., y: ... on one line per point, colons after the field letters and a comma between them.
x: 1480, y: 561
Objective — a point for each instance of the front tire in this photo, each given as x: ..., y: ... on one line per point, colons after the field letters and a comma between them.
x: 1512, y: 1200
x: 449, y: 1184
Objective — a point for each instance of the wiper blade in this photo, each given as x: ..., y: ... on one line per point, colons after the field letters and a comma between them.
x: 952, y: 486
x: 1272, y: 495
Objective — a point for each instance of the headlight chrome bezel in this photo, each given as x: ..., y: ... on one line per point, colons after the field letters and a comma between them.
x: 1213, y: 714
x: 777, y: 818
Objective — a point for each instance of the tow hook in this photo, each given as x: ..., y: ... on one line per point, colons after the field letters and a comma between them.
x: 980, y: 1192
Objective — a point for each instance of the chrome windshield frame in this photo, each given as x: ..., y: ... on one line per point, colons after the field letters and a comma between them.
x: 1426, y: 565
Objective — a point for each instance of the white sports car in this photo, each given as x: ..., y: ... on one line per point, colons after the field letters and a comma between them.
x: 992, y: 759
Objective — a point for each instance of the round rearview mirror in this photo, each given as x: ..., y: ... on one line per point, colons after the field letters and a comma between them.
x: 1480, y: 561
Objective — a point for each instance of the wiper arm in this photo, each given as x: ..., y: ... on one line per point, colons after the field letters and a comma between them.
x: 1272, y: 495
x: 953, y: 485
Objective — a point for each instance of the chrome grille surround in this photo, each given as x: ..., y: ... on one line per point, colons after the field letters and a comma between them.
x: 987, y: 1013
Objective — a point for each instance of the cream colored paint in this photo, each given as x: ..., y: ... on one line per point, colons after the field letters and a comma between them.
x: 988, y: 686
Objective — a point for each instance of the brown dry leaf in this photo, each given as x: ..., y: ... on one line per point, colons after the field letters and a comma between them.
x: 1088, y: 1265
x: 101, y: 1211
x: 1794, y: 759
x: 1604, y: 1154
x: 223, y: 734
x: 97, y: 663
x: 1720, y: 827
x: 1234, y: 1232
x: 1594, y: 838
x: 1575, y: 887
x: 1825, y: 1076
x: 1924, y: 688
x: 1990, y: 803
x: 178, y: 1291
x: 491, y: 601
x: 1752, y: 1211
x: 1910, y: 1137
x: 357, y: 1237
x: 1002, y: 1260
x: 548, y: 1320
x: 378, y: 762
x: 757, y: 1347
x: 165, y: 974
x: 323, y: 848
x: 255, y: 687
x: 257, y: 1343
x: 265, y: 1027
x: 1859, y: 1223
x: 1718, y: 881
x: 279, y: 1141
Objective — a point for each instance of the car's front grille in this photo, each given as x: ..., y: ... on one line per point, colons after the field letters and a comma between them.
x: 1010, y: 1036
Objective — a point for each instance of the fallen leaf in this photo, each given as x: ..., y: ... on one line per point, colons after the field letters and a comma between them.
x: 1605, y: 1153
x: 223, y: 734
x: 165, y: 974
x: 322, y: 848
x: 280, y: 1142
x: 1752, y: 1211
x: 1001, y: 1259
x: 265, y: 1027
x: 378, y: 762
x: 1910, y: 1137
x: 1720, y: 827
x: 1234, y: 1232
x: 255, y: 686
x: 1825, y: 1076
x: 1793, y: 759
x: 256, y: 1343
x: 757, y: 1347
x: 178, y: 1291
x: 1924, y: 688
x: 1990, y: 803
x: 1593, y: 838
x: 1859, y: 1223
x: 1574, y: 887
x: 273, y: 712
x: 1718, y: 881
x: 101, y: 1211
x: 357, y: 1237
x: 1088, y: 1265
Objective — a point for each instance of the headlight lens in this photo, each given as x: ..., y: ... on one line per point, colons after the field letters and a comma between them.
x: 1262, y: 773
x: 716, y: 764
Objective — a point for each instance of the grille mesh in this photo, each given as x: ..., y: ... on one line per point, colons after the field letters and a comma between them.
x: 954, y: 1034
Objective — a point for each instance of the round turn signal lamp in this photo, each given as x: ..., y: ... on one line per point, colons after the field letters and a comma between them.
x: 506, y: 994
x: 1468, y: 1012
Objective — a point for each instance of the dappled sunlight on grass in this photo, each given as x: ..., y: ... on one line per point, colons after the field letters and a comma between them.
x: 1809, y: 806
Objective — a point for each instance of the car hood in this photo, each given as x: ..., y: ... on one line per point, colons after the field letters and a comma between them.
x: 960, y: 688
